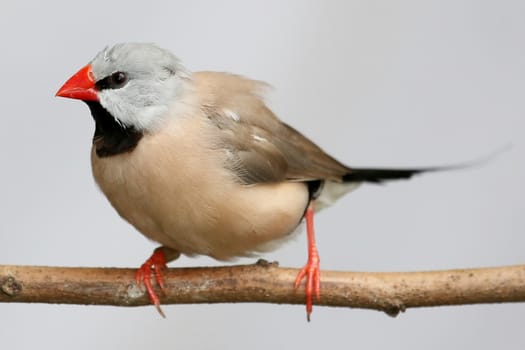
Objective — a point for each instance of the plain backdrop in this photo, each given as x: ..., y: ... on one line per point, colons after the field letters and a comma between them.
x: 375, y: 83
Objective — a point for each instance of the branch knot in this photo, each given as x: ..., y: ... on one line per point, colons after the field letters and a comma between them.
x: 11, y: 286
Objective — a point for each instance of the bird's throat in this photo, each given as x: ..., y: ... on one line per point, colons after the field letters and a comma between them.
x: 111, y: 138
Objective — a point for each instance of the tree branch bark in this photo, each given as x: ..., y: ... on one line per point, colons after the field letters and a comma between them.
x: 264, y: 282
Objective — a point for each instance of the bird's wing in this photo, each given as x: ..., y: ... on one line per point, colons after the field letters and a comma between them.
x: 260, y: 147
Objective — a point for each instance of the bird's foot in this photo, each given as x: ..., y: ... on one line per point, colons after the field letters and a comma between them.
x: 310, y: 272
x: 155, y: 266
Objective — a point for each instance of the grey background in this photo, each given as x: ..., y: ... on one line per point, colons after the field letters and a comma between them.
x: 375, y: 83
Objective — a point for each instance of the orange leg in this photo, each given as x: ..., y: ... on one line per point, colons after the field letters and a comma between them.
x: 155, y: 265
x: 311, y: 270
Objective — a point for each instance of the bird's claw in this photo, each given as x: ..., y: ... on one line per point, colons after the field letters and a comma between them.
x: 310, y: 272
x: 155, y: 265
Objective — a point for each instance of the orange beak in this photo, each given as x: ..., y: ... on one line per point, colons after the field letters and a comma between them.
x: 80, y: 86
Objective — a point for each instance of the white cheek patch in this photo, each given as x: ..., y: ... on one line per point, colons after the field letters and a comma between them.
x: 110, y: 104
x: 143, y: 105
x: 127, y: 114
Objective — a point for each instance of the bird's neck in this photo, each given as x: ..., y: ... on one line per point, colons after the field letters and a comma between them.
x: 111, y: 138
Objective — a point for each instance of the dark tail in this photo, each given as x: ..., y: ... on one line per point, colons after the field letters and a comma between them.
x: 382, y: 175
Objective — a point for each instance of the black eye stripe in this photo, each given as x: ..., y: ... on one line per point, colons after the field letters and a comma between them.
x: 113, y: 81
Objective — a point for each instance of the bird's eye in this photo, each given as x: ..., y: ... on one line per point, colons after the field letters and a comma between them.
x: 113, y: 81
x: 118, y: 79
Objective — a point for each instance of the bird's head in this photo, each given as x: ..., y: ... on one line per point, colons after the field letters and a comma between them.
x: 134, y: 82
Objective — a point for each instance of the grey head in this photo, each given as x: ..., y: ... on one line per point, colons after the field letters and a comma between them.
x: 137, y: 82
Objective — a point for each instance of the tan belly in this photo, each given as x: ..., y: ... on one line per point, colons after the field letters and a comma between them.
x: 178, y: 194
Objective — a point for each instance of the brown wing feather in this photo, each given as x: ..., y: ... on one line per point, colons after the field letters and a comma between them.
x: 261, y: 147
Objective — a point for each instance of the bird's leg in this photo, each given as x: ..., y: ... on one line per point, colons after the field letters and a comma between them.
x: 155, y: 265
x: 311, y: 270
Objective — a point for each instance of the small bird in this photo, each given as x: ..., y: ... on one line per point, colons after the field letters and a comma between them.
x: 198, y: 163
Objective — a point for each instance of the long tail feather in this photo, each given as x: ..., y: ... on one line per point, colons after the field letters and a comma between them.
x: 381, y: 175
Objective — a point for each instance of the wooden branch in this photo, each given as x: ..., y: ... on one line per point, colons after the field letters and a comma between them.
x: 265, y: 283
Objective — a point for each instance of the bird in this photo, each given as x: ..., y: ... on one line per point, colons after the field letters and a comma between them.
x: 197, y: 162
